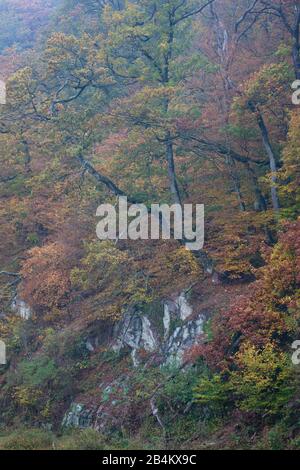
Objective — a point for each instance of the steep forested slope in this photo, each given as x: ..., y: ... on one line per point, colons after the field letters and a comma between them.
x: 142, y: 343
x: 22, y: 21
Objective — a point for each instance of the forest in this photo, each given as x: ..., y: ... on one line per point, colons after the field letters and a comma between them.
x: 140, y: 344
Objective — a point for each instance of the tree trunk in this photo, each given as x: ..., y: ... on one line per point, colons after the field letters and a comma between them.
x: 296, y: 54
x: 171, y: 170
x: 260, y: 204
x: 273, y: 165
x: 236, y: 182
x: 270, y: 153
x: 27, y: 160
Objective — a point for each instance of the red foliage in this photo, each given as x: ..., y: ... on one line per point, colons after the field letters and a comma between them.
x: 45, y: 277
x: 258, y: 316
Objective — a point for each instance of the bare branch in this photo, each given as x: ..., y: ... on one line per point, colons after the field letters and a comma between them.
x: 192, y: 13
x: 111, y: 186
x: 7, y: 273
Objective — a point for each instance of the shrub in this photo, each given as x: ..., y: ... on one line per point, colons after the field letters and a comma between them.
x: 213, y: 391
x: 86, y: 439
x: 264, y: 381
x: 27, y: 439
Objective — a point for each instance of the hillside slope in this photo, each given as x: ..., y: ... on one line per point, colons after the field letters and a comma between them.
x: 123, y: 343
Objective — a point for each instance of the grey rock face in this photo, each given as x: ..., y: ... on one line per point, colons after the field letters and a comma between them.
x: 135, y: 331
x: 21, y: 308
x: 182, y: 339
x: 187, y: 329
x: 78, y: 417
x: 181, y: 329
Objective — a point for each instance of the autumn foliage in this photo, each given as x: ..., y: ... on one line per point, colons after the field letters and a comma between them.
x: 165, y: 101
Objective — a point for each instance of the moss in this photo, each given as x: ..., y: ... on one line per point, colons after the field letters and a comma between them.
x: 155, y: 312
x: 175, y: 322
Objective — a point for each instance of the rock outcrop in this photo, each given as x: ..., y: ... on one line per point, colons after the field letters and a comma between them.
x: 163, y: 331
x: 168, y: 331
